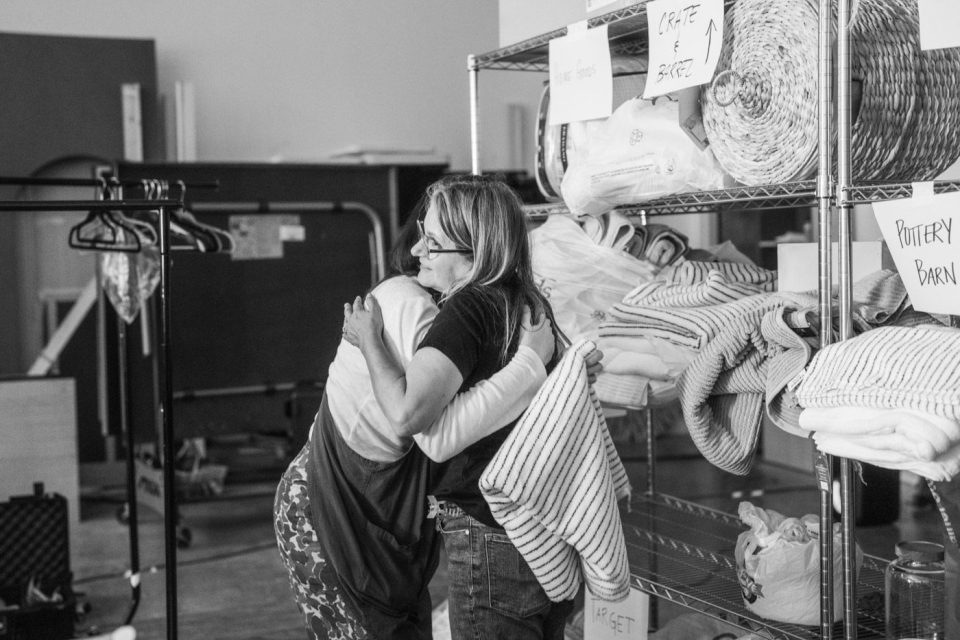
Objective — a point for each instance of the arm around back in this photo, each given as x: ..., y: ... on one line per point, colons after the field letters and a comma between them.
x: 413, y: 398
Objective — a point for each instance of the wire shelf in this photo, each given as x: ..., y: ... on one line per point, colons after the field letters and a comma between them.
x: 871, y: 192
x: 684, y: 552
x: 776, y: 196
x: 626, y: 29
x: 773, y: 196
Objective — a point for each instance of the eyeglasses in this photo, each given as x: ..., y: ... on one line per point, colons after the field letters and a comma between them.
x: 431, y: 245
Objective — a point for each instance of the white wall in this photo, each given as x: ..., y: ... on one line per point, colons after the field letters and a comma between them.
x: 522, y: 19
x: 297, y: 79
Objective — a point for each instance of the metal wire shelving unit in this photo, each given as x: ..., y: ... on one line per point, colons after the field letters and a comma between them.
x: 678, y: 550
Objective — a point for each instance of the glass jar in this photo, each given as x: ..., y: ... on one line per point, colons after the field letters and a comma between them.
x: 914, y: 584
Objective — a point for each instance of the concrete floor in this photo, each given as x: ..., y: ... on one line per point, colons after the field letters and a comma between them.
x: 231, y: 583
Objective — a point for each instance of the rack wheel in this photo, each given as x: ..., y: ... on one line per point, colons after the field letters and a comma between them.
x: 184, y: 537
x: 123, y: 513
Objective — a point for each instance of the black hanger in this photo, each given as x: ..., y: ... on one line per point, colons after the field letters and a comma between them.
x: 101, y: 230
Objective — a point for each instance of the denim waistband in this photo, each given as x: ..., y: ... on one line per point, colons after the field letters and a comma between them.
x: 443, y: 508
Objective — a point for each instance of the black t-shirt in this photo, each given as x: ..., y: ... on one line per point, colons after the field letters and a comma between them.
x: 470, y: 330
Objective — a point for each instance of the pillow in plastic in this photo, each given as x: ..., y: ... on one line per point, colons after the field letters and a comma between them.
x: 637, y: 154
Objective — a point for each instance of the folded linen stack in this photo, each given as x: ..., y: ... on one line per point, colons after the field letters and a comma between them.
x: 890, y: 397
x: 671, y: 319
x: 904, y: 439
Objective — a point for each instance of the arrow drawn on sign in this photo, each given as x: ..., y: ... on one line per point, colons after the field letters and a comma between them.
x: 710, y: 29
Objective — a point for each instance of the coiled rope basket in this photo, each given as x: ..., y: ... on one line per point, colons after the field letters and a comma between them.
x: 760, y: 111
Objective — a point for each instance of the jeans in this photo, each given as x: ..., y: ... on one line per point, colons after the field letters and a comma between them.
x: 493, y: 593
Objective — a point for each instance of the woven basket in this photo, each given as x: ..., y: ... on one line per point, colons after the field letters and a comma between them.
x: 932, y: 142
x: 883, y: 61
x: 760, y: 112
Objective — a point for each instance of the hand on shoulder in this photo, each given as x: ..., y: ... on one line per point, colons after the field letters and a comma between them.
x: 362, y: 321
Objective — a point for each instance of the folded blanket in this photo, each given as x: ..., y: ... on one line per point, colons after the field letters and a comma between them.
x: 623, y: 390
x: 742, y: 371
x: 917, y: 434
x: 887, y: 368
x: 942, y: 468
x: 687, y: 326
x: 692, y: 272
x: 715, y: 288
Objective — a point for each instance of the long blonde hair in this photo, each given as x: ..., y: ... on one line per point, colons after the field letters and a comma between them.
x: 484, y: 214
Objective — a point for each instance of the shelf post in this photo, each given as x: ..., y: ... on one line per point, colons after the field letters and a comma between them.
x: 166, y: 422
x: 823, y: 462
x: 474, y: 72
x: 844, y: 206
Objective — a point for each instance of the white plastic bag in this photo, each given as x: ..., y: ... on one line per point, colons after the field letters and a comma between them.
x: 778, y: 566
x: 581, y: 278
x: 129, y: 279
x: 639, y: 153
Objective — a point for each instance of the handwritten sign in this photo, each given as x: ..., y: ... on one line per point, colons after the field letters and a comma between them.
x: 939, y: 24
x: 581, y: 78
x: 626, y: 620
x: 923, y: 235
x: 685, y: 39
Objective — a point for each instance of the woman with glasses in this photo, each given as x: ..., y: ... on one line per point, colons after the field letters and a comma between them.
x: 350, y: 511
x: 474, y: 250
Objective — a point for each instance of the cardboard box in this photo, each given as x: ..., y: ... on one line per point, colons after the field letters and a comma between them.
x: 797, y: 263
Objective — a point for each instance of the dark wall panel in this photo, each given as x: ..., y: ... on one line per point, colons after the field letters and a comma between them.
x: 60, y: 97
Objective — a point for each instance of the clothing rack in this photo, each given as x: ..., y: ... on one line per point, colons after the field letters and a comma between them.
x: 105, y: 181
x: 163, y: 208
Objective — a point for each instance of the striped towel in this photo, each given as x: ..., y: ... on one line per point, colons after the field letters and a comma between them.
x: 724, y: 391
x: 685, y: 326
x: 554, y: 485
x: 692, y: 272
x: 623, y: 390
x: 887, y: 368
x: 715, y: 288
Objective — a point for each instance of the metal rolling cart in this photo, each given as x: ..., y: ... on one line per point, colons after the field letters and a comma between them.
x: 679, y: 550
